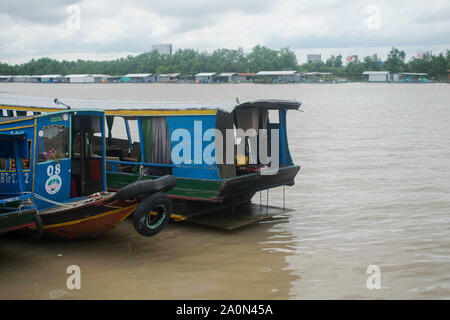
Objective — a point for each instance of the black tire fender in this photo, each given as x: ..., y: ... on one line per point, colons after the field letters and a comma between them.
x: 37, y: 233
x: 142, y: 219
x: 134, y: 189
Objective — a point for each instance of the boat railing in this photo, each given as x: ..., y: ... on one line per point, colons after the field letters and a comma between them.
x: 11, y: 198
x: 132, y: 163
x: 14, y: 196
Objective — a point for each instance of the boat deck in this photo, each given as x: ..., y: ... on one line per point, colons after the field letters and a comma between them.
x: 242, y: 216
x: 85, y: 201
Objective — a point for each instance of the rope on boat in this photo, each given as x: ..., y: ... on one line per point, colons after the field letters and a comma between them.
x: 141, y: 173
x: 37, y: 196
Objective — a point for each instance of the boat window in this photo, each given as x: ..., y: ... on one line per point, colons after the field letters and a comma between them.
x: 21, y: 113
x: 3, y: 163
x: 53, y: 143
x: 118, y: 145
x: 26, y: 163
x: 156, y: 140
x: 249, y: 121
x: 274, y: 116
x: 119, y: 128
x: 10, y: 163
x: 225, y: 157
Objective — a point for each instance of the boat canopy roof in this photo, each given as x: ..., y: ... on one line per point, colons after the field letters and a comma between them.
x: 271, y: 104
x: 6, y: 145
x: 43, y: 104
x: 9, y: 119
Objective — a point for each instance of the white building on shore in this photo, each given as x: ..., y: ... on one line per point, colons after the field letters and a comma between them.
x: 47, y: 78
x: 205, y: 77
x: 226, y: 76
x: 101, y: 78
x: 6, y: 78
x: 20, y: 79
x: 279, y: 76
x: 376, y: 76
x: 168, y: 77
x: 80, y: 78
x: 139, y: 77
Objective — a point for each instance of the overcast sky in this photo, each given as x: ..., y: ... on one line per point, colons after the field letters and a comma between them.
x: 106, y: 29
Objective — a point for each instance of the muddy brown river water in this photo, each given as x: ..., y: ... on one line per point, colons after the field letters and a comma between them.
x: 374, y: 189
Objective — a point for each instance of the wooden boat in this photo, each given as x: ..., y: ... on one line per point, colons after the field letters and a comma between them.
x: 201, y: 187
x: 16, y: 210
x: 66, y: 179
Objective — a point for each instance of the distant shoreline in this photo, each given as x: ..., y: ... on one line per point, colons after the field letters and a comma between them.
x: 224, y: 83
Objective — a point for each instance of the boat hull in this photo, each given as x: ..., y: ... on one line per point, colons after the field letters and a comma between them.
x: 192, y: 199
x: 214, y: 190
x: 252, y: 183
x: 88, y: 221
x: 17, y: 220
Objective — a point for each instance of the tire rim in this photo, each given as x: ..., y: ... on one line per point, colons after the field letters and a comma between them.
x: 152, y: 221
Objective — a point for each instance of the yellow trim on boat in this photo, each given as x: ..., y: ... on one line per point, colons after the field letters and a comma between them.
x: 16, y: 128
x: 10, y: 171
x: 132, y: 208
x: 125, y: 112
x: 34, y: 152
x: 177, y: 217
x: 91, y: 218
x: 120, y: 112
x: 34, y: 109
x: 16, y: 120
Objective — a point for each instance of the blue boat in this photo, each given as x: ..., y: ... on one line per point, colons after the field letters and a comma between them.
x: 65, y: 181
x: 204, y: 185
x: 16, y: 208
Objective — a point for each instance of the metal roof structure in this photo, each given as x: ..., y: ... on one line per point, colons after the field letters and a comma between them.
x: 317, y: 73
x: 226, y: 74
x: 375, y: 72
x: 138, y: 75
x: 205, y: 74
x: 8, y: 99
x: 276, y: 73
x: 78, y: 75
x: 245, y: 74
x: 48, y: 76
x: 413, y: 74
x: 171, y: 75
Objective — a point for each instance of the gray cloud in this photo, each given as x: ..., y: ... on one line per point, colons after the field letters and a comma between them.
x: 42, y: 11
x: 201, y: 8
x: 39, y: 28
x: 436, y: 16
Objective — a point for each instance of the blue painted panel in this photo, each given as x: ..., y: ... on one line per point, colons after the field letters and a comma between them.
x: 7, y: 147
x: 285, y: 158
x: 52, y: 177
x: 196, y: 126
x: 282, y: 121
x: 8, y: 176
x: 9, y: 181
x: 52, y: 181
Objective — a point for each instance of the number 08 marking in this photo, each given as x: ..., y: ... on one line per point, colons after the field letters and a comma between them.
x: 51, y: 170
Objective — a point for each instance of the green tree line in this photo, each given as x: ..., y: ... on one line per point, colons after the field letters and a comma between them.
x: 190, y: 61
x: 436, y: 66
